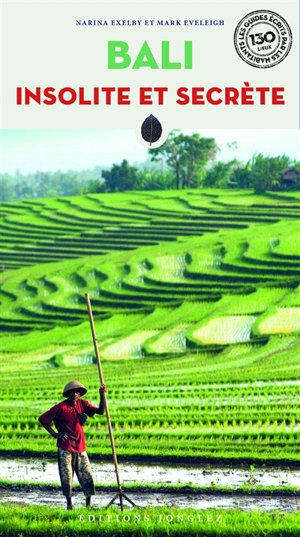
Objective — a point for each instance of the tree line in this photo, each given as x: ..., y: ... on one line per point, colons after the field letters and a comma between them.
x: 183, y: 161
x: 46, y: 184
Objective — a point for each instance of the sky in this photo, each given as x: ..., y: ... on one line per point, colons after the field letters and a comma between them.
x: 51, y: 150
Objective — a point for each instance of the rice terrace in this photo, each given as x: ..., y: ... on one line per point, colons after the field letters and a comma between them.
x: 196, y: 303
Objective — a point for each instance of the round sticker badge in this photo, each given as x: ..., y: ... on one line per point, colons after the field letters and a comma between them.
x: 263, y: 39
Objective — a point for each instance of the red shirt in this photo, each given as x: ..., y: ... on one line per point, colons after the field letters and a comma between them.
x: 66, y: 420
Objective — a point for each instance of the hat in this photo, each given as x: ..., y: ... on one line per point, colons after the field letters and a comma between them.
x: 73, y: 385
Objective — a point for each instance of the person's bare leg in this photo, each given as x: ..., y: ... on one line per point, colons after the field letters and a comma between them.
x: 69, y: 503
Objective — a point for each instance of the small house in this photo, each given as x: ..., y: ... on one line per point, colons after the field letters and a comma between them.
x: 290, y: 178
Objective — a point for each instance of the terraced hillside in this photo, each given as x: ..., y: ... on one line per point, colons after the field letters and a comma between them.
x: 196, y: 303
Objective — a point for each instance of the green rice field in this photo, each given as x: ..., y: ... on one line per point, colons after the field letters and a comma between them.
x: 155, y: 522
x: 197, y: 312
x: 196, y: 302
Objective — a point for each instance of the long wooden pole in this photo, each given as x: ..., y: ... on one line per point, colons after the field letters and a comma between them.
x: 120, y: 494
x: 112, y: 442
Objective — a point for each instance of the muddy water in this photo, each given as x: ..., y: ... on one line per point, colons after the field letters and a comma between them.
x: 39, y: 471
x: 196, y: 501
x: 45, y: 471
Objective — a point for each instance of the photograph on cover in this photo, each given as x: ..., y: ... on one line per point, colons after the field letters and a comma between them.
x: 149, y: 272
x: 189, y: 256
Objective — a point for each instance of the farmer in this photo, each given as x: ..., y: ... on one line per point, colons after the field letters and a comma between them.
x: 69, y: 417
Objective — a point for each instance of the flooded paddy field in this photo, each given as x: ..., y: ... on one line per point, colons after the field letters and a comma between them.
x: 37, y: 470
x: 54, y: 498
x: 28, y: 479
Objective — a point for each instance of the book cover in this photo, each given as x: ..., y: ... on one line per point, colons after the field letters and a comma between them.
x: 150, y: 160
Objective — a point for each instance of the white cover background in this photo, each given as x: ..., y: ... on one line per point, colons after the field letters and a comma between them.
x: 42, y: 46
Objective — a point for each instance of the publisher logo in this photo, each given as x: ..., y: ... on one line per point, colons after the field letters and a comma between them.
x: 263, y: 39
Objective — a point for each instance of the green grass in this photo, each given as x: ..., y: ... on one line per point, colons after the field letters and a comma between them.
x: 250, y: 488
x: 148, y: 522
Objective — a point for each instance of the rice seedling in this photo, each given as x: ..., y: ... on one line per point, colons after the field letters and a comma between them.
x: 147, y: 522
x: 226, y: 329
x: 282, y: 320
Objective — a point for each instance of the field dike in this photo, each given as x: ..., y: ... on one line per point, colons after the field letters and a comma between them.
x: 35, y: 481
